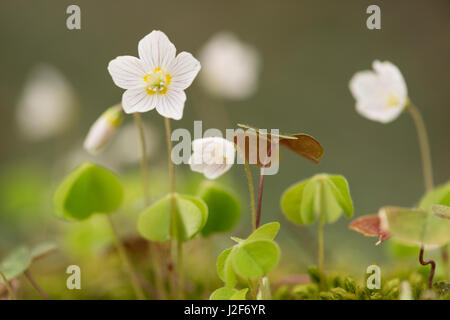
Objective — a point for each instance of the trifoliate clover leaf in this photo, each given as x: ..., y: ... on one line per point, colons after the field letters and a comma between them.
x: 190, y: 216
x: 87, y: 190
x: 322, y: 196
x: 224, y: 208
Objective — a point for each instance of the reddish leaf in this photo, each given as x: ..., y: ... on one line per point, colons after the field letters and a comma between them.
x: 304, y: 145
x: 301, y: 143
x: 370, y: 226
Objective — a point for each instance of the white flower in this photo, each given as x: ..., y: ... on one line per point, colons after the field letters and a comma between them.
x: 230, y: 68
x: 157, y: 79
x: 47, y: 105
x: 212, y: 156
x: 381, y: 95
x: 103, y: 129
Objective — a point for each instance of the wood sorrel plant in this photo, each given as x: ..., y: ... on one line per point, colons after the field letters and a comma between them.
x: 381, y: 95
x: 249, y: 259
x: 323, y: 197
x: 157, y: 80
x: 91, y: 189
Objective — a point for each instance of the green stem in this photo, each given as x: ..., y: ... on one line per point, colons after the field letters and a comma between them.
x: 8, y: 286
x: 154, y: 249
x: 36, y: 286
x: 180, y: 270
x: 251, y: 190
x: 320, y: 253
x: 427, y: 172
x: 424, y: 145
x: 260, y: 195
x: 174, y: 245
x: 125, y: 261
x: 144, y: 169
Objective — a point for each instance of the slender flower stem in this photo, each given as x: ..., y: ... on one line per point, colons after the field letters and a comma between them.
x: 424, y: 145
x: 321, y: 254
x: 8, y: 286
x: 154, y: 248
x: 260, y: 195
x: 36, y: 286
x: 144, y: 169
x: 174, y: 247
x: 126, y: 262
x: 424, y: 263
x: 251, y: 190
x: 180, y: 270
x: 427, y: 172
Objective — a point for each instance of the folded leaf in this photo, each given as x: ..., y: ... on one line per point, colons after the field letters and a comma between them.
x: 254, y: 259
x: 265, y: 232
x: 415, y: 226
x: 190, y: 216
x: 370, y: 226
x: 341, y: 191
x: 89, y: 189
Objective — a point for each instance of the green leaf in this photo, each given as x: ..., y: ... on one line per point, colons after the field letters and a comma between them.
x: 265, y: 232
x: 341, y: 191
x: 89, y: 189
x: 254, y: 259
x: 439, y: 195
x: 415, y: 226
x: 307, y: 206
x: 220, y: 264
x: 42, y: 250
x: 224, y: 209
x: 291, y: 201
x: 240, y: 295
x: 16, y: 263
x: 326, y: 205
x: 224, y: 293
x: 441, y: 211
x: 190, y: 215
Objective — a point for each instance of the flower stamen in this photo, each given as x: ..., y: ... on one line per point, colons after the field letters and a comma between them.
x: 157, y: 81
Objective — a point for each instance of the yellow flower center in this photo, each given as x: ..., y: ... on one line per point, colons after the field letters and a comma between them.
x: 157, y: 81
x: 392, y: 101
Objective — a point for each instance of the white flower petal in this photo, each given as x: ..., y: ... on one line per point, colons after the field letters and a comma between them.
x: 212, y: 156
x: 156, y: 51
x: 380, y: 95
x: 171, y: 104
x: 127, y: 72
x: 183, y: 70
x: 138, y: 100
x: 391, y: 77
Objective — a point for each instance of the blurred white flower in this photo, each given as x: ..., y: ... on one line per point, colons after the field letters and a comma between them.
x: 103, y: 129
x: 47, y: 105
x: 126, y: 146
x: 381, y: 95
x: 212, y: 156
x: 230, y: 68
x: 157, y: 79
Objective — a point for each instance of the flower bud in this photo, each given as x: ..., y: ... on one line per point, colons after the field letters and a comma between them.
x: 103, y: 129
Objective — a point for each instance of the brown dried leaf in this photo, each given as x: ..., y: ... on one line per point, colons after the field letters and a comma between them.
x: 370, y: 226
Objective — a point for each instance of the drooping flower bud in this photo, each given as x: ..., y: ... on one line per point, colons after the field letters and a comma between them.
x: 103, y: 129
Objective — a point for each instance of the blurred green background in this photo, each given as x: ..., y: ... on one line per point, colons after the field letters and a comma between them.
x: 309, y: 49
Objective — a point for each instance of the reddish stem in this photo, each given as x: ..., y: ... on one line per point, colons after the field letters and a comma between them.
x: 260, y: 195
x: 424, y: 263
